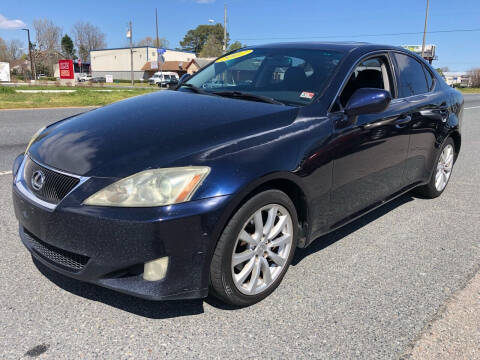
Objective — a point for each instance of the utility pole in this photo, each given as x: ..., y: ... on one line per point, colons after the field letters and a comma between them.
x: 156, y: 27
x: 425, y: 30
x: 225, y: 30
x: 32, y: 66
x: 129, y: 34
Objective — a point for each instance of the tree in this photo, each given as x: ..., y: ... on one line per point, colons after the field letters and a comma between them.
x: 67, y: 47
x: 47, y: 46
x: 235, y: 46
x: 475, y: 77
x: 87, y: 37
x: 211, y: 48
x: 195, y: 39
x: 10, y: 50
x: 149, y: 41
x: 440, y: 71
x: 47, y: 35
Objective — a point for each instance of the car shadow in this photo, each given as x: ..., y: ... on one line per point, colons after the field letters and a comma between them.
x: 178, y: 308
x: 330, y: 238
x: 131, y: 304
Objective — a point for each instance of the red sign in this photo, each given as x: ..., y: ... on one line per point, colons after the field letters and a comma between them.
x: 66, y: 69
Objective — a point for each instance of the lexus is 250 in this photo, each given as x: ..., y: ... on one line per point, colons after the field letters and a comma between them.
x: 211, y: 187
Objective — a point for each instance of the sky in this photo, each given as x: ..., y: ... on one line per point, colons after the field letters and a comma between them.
x: 265, y: 21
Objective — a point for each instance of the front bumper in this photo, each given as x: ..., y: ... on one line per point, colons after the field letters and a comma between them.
x: 114, y: 243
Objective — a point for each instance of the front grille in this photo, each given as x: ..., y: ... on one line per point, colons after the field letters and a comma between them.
x: 55, y: 186
x: 59, y: 257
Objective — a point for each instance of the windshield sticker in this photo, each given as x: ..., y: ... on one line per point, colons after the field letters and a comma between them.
x: 234, y: 55
x: 307, y: 95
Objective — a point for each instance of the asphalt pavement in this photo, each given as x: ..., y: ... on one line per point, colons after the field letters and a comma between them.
x: 370, y: 290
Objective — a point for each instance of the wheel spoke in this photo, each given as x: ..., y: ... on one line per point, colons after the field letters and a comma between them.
x: 257, y: 218
x: 279, y: 241
x: 244, y: 236
x: 438, y: 179
x: 238, y: 258
x: 255, y: 276
x: 272, y: 214
x: 278, y: 227
x: 266, y: 272
x: 242, y: 275
x: 277, y: 259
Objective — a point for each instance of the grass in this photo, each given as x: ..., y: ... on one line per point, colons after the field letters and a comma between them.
x: 9, y: 99
x: 469, y: 90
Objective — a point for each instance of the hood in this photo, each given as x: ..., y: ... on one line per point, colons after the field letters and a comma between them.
x: 151, y: 131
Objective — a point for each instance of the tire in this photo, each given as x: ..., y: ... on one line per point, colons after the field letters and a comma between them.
x: 245, y: 224
x: 432, y: 189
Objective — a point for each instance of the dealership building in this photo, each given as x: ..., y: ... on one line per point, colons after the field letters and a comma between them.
x: 146, y: 61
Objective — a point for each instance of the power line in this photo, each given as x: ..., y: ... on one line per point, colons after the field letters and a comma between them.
x: 358, y: 35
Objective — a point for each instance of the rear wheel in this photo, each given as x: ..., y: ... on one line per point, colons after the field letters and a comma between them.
x: 441, y: 173
x: 255, y: 249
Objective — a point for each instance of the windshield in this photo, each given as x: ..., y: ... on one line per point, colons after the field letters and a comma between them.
x: 290, y: 76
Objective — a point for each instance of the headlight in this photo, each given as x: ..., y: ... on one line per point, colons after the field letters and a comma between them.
x: 150, y: 188
x: 34, y: 137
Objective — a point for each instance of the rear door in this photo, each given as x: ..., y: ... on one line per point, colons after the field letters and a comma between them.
x: 371, y: 149
x: 427, y: 107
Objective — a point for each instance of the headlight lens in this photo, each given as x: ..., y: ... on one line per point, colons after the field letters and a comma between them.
x: 156, y: 187
x: 34, y: 137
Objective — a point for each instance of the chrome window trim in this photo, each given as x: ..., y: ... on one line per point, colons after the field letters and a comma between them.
x: 20, y: 183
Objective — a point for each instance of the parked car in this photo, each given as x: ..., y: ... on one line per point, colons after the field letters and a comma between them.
x: 97, y: 79
x: 162, y: 77
x: 84, y: 77
x: 168, y: 83
x: 177, y: 193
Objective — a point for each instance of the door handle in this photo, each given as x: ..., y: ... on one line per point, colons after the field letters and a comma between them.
x: 403, y: 121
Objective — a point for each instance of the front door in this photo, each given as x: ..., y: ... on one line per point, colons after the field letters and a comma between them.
x: 370, y: 150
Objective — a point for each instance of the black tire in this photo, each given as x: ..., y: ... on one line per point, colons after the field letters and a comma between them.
x: 221, y: 280
x: 429, y: 191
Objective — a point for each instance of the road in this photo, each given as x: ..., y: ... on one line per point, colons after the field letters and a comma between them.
x: 369, y: 290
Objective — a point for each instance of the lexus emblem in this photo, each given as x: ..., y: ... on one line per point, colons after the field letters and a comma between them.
x: 38, y: 179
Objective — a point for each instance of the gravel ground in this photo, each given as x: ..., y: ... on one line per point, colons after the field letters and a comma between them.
x: 369, y: 290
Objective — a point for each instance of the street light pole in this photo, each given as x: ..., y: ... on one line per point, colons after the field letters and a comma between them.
x: 225, y: 30
x: 131, y: 51
x: 32, y: 66
x: 425, y: 30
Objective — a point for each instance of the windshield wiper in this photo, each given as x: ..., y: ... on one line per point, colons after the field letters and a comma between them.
x: 195, y: 89
x: 248, y: 96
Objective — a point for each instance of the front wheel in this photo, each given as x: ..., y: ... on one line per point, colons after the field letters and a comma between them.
x: 255, y: 249
x: 441, y: 173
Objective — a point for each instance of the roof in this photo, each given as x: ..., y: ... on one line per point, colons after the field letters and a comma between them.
x: 167, y: 66
x: 332, y: 46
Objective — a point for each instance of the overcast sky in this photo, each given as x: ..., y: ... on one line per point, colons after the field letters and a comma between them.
x: 262, y: 21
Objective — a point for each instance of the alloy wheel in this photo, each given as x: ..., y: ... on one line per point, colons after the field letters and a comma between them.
x: 444, y: 167
x: 262, y: 249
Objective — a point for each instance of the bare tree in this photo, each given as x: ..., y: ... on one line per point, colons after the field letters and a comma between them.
x: 15, y: 49
x: 47, y: 35
x: 47, y: 45
x: 475, y: 77
x: 87, y: 37
x: 10, y: 50
x: 149, y: 41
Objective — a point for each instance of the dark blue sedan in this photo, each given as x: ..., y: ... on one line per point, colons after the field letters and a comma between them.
x: 212, y: 187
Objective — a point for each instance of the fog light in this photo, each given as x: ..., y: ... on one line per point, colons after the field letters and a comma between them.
x: 156, y: 269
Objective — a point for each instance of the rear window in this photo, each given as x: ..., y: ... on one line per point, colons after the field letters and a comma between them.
x: 411, y: 76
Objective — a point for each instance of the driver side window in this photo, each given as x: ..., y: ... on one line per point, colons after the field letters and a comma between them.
x: 374, y: 73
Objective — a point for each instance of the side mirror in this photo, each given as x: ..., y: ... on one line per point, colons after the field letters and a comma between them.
x: 368, y: 101
x: 183, y: 78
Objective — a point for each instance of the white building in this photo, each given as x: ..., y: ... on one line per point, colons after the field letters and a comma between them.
x: 116, y: 61
x: 462, y: 79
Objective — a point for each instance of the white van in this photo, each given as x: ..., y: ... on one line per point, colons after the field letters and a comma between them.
x: 162, y: 77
